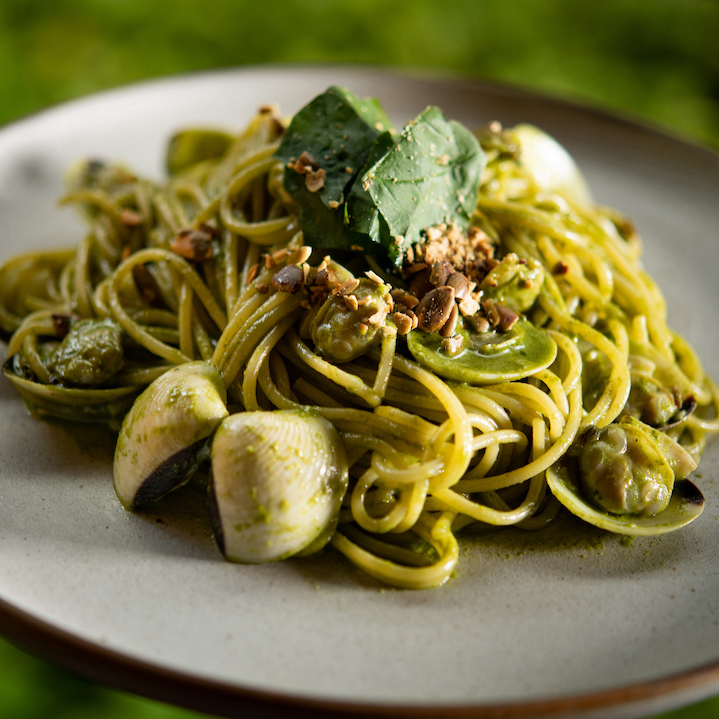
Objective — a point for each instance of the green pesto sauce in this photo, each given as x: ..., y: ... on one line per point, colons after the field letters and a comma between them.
x: 488, y: 356
x: 566, y: 534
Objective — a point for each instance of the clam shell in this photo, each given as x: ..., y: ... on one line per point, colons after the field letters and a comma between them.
x: 161, y: 436
x: 685, y: 505
x: 278, y: 479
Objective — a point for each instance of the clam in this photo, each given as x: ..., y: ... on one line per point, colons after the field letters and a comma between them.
x: 278, y: 479
x: 79, y: 405
x: 629, y: 479
x: 550, y: 165
x: 164, y: 437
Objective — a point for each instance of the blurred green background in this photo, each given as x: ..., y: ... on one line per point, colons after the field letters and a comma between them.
x: 654, y: 59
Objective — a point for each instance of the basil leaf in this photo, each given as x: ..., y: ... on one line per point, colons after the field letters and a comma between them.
x: 430, y: 176
x: 337, y: 129
x: 362, y: 217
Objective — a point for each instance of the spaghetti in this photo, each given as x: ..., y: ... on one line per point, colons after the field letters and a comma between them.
x: 213, y: 266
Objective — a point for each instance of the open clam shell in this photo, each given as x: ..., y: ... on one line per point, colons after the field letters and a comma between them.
x: 80, y: 405
x: 685, y: 505
x: 162, y: 437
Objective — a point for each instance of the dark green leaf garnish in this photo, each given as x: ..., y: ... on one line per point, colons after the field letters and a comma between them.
x: 430, y: 176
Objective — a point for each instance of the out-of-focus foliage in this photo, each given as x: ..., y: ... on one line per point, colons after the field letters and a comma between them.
x: 33, y: 689
x: 656, y: 59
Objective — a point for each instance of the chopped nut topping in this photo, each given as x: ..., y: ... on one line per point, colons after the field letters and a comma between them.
x: 469, y: 306
x: 420, y: 284
x: 416, y: 267
x: 193, y: 245
x: 453, y: 345
x: 130, y: 218
x: 471, y: 254
x: 448, y: 328
x: 300, y: 255
x: 460, y: 284
x: 351, y: 302
x: 315, y: 181
x: 370, y: 274
x: 440, y: 272
x: 252, y: 273
x: 499, y: 317
x: 561, y: 268
x: 305, y: 164
x: 479, y: 323
x: 403, y: 323
x: 434, y: 308
x: 61, y: 323
x: 378, y: 317
x: 288, y: 279
x: 346, y: 287
x: 404, y: 298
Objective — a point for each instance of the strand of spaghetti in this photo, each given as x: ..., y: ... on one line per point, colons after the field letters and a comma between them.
x: 535, y: 398
x: 553, y: 453
x: 385, y: 550
x: 37, y: 323
x: 279, y: 306
x: 491, y: 442
x: 186, y: 272
x: 231, y: 251
x: 462, y: 452
x: 556, y: 390
x: 314, y: 394
x: 386, y: 522
x: 439, y: 535
x: 384, y: 367
x: 184, y: 320
x: 245, y: 311
x: 616, y: 391
x: 83, y: 288
x: 259, y: 358
x: 98, y: 199
x: 416, y: 495
x: 349, y: 382
x: 530, y: 504
x: 574, y: 357
x: 33, y: 361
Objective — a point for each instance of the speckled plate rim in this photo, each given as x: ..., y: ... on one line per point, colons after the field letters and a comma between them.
x: 120, y: 671
x: 125, y: 673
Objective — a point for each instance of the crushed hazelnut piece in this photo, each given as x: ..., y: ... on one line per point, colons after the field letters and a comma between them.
x: 351, y: 302
x: 453, y: 345
x: 403, y: 323
x: 374, y: 277
x: 193, y: 245
x: 130, y: 218
x: 561, y: 268
x: 315, y: 180
x: 346, y: 287
x: 252, y: 273
x: 300, y: 255
x: 468, y: 306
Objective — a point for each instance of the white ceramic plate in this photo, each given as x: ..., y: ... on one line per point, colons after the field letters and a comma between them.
x: 579, y: 625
